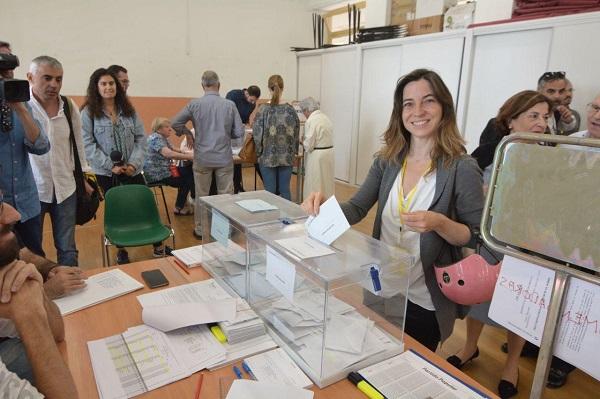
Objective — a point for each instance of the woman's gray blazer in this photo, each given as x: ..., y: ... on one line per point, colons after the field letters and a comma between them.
x: 463, y: 180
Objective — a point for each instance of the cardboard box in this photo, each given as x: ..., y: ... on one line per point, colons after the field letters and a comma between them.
x: 423, y: 26
x: 431, y: 8
x: 402, y: 11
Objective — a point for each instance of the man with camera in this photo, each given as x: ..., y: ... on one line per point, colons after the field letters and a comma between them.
x: 53, y: 171
x: 20, y: 135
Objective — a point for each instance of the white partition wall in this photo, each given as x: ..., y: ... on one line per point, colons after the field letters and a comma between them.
x: 575, y: 50
x: 482, y: 68
x: 380, y: 72
x: 309, y: 77
x: 338, y: 82
x: 503, y: 64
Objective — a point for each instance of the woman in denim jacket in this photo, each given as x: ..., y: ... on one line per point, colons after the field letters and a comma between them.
x: 113, y: 137
x: 111, y: 126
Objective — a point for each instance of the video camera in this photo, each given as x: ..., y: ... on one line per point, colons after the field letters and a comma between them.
x: 12, y: 90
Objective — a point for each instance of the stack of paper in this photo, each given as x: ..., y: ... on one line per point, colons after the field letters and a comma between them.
x: 191, y: 256
x: 248, y: 389
x: 246, y: 324
x: 277, y: 367
x: 186, y: 305
x: 142, y: 359
x: 411, y: 376
x: 99, y: 288
x: 235, y: 352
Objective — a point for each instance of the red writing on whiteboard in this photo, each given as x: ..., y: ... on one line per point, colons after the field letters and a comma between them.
x: 518, y: 289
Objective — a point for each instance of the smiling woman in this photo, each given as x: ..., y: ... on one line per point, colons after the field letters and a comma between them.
x: 429, y: 199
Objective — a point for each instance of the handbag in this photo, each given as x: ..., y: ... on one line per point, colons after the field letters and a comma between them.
x: 87, y: 204
x: 248, y: 152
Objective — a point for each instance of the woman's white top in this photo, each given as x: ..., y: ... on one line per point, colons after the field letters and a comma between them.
x: 394, y: 233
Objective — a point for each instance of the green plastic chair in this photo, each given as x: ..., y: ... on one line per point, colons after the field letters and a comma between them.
x: 131, y: 219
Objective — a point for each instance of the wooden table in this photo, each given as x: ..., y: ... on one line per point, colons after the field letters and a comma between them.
x: 115, y: 316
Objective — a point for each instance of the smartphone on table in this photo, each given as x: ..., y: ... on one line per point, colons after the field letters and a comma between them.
x: 154, y: 278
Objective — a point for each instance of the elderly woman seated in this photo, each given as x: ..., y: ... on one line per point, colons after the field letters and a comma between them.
x: 158, y: 165
x: 318, y: 149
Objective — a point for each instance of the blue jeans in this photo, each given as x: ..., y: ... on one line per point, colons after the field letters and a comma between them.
x: 63, y: 218
x: 277, y: 177
x: 13, y: 355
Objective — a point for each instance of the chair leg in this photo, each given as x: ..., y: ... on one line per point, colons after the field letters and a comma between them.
x: 165, y: 203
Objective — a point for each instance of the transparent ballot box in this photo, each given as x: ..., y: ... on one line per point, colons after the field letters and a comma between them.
x: 225, y: 222
x: 333, y: 308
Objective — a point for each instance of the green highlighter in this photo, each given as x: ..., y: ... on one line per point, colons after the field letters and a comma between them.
x: 364, y: 386
x: 218, y: 333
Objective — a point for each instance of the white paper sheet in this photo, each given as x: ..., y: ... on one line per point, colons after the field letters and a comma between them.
x: 521, y: 297
x: 201, y: 291
x: 220, y: 228
x: 305, y: 247
x: 197, y: 347
x: 277, y: 367
x: 171, y: 317
x: 256, y: 205
x: 578, y: 337
x: 248, y: 389
x: 243, y: 349
x: 410, y: 376
x: 281, y: 273
x: 191, y: 256
x: 329, y: 224
x: 137, y: 361
x: 100, y: 288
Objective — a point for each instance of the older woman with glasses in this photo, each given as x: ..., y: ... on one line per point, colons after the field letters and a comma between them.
x: 526, y: 112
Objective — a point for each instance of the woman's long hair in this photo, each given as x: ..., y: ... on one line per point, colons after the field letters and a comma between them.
x: 515, y: 106
x: 449, y: 144
x: 93, y: 100
x: 275, y: 84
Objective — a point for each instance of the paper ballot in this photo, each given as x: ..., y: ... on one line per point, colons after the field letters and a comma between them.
x: 201, y: 291
x: 521, y: 298
x: 100, y: 288
x: 256, y: 205
x: 248, y: 389
x: 277, y: 367
x: 329, y: 224
x: 171, y: 317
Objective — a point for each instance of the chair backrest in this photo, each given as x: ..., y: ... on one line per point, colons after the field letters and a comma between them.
x: 130, y: 206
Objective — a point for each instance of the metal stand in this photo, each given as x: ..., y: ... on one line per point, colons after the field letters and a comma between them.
x: 563, y: 271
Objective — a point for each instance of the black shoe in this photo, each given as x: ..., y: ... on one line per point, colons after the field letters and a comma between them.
x: 161, y: 251
x: 556, y: 378
x: 529, y: 350
x: 122, y: 257
x: 198, y: 236
x: 458, y: 363
x: 507, y: 389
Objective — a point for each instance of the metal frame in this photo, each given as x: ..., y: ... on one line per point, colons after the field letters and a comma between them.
x: 162, y: 191
x: 562, y: 271
x: 105, y: 242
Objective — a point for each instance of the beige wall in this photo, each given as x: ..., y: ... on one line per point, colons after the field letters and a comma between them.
x: 165, y: 44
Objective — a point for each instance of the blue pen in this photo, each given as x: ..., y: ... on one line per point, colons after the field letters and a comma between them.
x: 237, y: 372
x: 248, y: 370
x: 375, y: 277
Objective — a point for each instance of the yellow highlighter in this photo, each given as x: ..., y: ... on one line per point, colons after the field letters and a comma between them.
x: 364, y: 386
x: 218, y: 333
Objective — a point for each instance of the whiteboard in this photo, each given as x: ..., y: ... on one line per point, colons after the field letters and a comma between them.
x: 338, y: 81
x: 309, y: 77
x: 572, y: 52
x: 380, y: 72
x: 503, y: 65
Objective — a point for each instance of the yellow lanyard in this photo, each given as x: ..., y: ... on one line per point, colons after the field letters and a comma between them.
x: 404, y: 203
